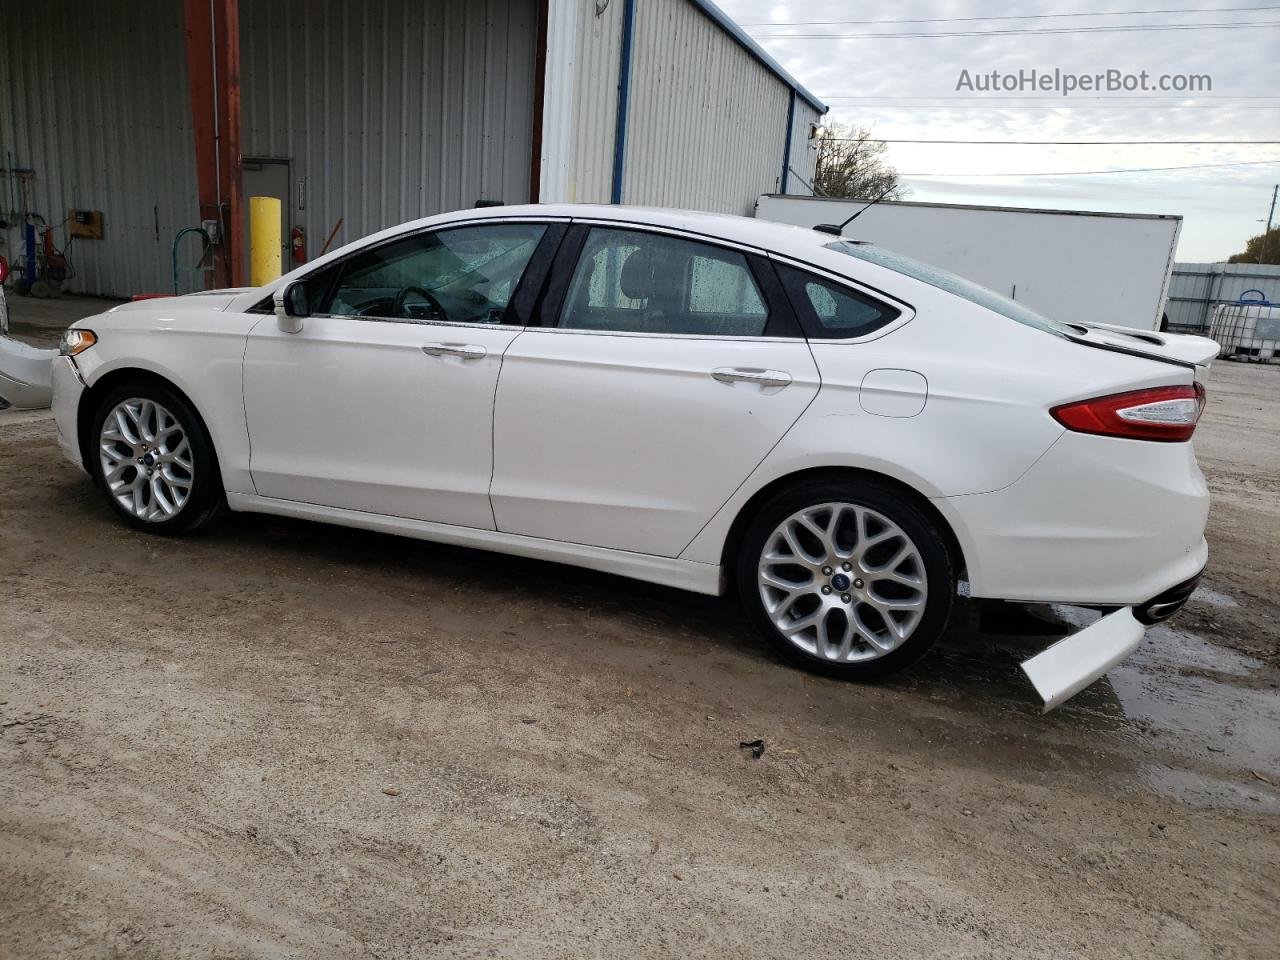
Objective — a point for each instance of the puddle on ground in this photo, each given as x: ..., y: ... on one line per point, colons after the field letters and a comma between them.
x: 1205, y: 790
x: 1201, y: 717
x: 1205, y: 717
x: 1175, y: 690
x: 1166, y: 646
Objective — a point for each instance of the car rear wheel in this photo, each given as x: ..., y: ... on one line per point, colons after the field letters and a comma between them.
x: 846, y: 579
x: 153, y: 459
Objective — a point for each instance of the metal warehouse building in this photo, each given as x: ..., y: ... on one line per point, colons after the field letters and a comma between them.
x: 122, y: 125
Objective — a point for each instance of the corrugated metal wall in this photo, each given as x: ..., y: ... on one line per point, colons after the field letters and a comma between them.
x: 707, y: 120
x: 804, y: 158
x: 391, y: 109
x: 1196, y: 287
x: 387, y: 110
x: 94, y: 100
x: 595, y: 109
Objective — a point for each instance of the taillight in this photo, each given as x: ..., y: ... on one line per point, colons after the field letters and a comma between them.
x: 1169, y: 414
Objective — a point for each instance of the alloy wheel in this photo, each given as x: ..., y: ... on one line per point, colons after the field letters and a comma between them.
x: 146, y: 459
x: 842, y: 582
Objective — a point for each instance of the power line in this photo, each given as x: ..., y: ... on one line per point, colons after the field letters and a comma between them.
x: 1022, y: 16
x: 1041, y: 31
x: 1055, y: 103
x: 984, y: 98
x: 1093, y: 173
x: 1063, y: 143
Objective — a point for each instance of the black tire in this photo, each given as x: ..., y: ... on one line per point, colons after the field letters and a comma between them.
x: 939, y: 570
x: 205, y: 498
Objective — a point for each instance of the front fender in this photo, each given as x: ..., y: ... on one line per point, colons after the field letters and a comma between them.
x: 207, y: 367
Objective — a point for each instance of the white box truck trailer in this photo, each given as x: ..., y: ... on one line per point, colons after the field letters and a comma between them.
x: 1065, y: 264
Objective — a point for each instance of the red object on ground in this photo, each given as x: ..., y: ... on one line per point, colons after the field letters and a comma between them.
x: 150, y: 296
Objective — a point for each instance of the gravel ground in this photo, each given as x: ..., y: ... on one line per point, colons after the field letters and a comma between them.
x: 283, y: 739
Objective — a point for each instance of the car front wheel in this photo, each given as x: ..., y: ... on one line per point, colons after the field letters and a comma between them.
x: 153, y: 459
x: 846, y: 579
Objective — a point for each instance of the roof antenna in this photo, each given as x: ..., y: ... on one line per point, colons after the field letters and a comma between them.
x: 837, y: 231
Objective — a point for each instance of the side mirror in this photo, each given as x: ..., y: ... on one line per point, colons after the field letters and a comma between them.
x: 291, y: 306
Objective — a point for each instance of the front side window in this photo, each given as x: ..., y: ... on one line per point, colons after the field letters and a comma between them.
x: 457, y: 275
x: 628, y: 281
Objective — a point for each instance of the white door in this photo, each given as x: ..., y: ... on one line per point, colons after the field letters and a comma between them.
x: 384, y: 402
x: 664, y: 376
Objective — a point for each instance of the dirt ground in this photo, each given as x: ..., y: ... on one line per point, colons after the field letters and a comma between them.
x: 288, y: 740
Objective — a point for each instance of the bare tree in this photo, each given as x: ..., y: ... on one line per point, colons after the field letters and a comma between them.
x: 850, y: 164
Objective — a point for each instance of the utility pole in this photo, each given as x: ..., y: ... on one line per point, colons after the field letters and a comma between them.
x: 1262, y: 247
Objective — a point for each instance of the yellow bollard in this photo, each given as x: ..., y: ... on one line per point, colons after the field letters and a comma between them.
x: 264, y: 240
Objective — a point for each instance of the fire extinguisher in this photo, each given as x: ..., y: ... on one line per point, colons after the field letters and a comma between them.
x: 298, y: 244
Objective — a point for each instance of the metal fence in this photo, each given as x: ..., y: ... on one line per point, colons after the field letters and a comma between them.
x: 1195, y: 289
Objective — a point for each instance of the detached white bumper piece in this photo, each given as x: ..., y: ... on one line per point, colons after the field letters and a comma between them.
x: 25, y: 374
x: 1074, y: 662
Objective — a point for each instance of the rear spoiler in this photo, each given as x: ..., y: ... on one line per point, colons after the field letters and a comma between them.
x: 1180, y: 349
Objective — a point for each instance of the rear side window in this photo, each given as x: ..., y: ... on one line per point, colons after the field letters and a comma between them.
x: 628, y: 281
x: 831, y: 311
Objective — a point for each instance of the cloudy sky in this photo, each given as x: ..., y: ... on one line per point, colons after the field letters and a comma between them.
x: 904, y: 88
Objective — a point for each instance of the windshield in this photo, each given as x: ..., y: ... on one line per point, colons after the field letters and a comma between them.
x: 945, y: 280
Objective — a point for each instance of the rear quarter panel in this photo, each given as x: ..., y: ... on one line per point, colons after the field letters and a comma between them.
x: 985, y: 420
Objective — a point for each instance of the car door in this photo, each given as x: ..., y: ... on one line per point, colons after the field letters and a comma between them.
x: 661, y: 372
x: 383, y: 403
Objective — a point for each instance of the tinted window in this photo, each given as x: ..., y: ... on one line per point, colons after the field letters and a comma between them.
x: 945, y: 280
x: 462, y: 275
x: 834, y: 311
x: 633, y: 282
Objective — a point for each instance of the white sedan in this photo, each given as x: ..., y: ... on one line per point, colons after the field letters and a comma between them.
x: 840, y: 435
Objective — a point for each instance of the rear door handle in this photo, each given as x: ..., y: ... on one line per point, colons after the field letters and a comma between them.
x: 467, y: 351
x: 763, y: 378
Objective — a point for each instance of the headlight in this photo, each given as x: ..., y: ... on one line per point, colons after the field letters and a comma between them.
x: 76, y: 341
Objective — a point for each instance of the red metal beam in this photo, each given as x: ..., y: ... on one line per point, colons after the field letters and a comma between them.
x: 229, y: 132
x: 213, y: 75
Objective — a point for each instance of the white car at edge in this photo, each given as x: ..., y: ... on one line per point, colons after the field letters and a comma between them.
x: 838, y: 434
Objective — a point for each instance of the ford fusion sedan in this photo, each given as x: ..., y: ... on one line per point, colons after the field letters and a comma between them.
x: 841, y: 436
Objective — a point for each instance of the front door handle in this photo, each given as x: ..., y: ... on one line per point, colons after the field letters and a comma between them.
x: 763, y: 378
x: 467, y: 351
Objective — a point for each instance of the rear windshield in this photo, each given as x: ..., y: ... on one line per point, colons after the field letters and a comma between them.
x: 945, y: 280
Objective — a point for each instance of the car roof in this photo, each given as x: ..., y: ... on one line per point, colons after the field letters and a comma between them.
x: 746, y: 230
x: 765, y: 234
